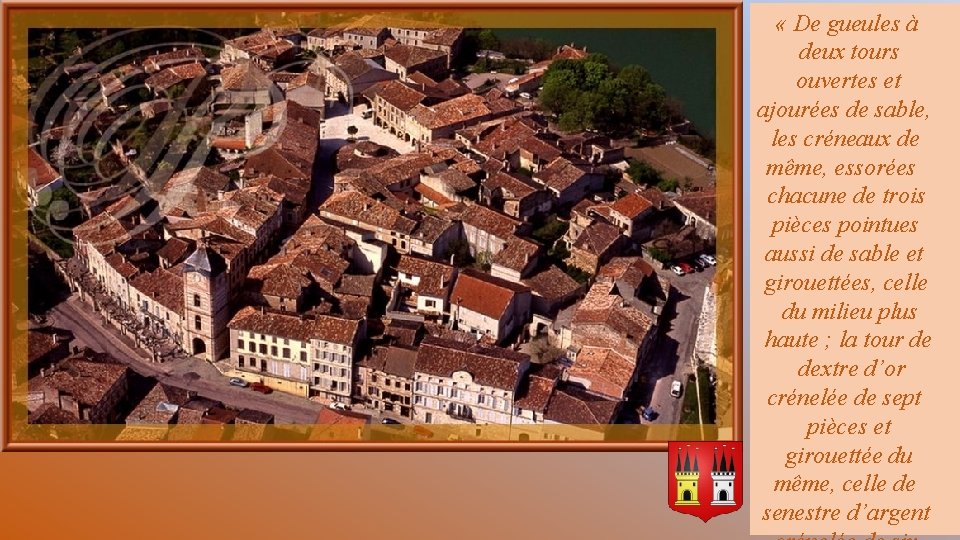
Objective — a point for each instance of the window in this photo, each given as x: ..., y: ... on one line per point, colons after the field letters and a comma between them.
x: 240, y: 362
x: 418, y: 386
x: 240, y: 344
x: 373, y: 378
x: 196, y: 300
x: 273, y: 350
x: 286, y: 352
x: 263, y: 349
x: 406, y: 387
x: 481, y: 399
x: 196, y: 322
x: 303, y: 356
x: 274, y: 339
x: 428, y: 418
x: 252, y: 346
x: 316, y: 367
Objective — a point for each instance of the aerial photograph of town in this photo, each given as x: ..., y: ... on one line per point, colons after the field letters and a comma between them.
x: 379, y: 226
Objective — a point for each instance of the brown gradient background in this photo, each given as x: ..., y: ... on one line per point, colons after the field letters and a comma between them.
x: 148, y: 495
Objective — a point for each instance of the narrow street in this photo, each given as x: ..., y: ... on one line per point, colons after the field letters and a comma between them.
x: 189, y: 373
x: 671, y: 356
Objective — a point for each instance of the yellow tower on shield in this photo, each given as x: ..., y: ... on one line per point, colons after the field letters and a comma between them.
x: 687, y: 478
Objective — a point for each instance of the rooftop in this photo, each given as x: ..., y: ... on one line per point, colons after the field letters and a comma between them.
x: 484, y: 294
x: 489, y: 366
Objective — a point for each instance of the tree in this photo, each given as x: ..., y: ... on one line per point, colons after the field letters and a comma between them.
x: 488, y: 40
x: 668, y: 184
x: 352, y: 131
x: 643, y: 174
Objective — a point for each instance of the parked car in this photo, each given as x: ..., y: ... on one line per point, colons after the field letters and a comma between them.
x: 687, y: 269
x: 676, y: 389
x: 262, y: 388
x: 237, y: 381
x: 525, y: 95
x: 649, y: 414
x: 677, y: 270
x: 389, y: 421
x: 706, y: 258
x: 337, y: 406
x: 696, y: 265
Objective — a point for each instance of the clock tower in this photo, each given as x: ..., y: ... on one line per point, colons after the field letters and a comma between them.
x: 206, y: 304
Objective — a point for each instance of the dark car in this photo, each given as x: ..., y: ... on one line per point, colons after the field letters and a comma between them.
x: 262, y: 388
x: 696, y: 264
x: 649, y: 414
x: 389, y: 421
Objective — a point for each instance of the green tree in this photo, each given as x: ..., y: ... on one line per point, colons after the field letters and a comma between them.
x: 643, y: 174
x: 488, y: 40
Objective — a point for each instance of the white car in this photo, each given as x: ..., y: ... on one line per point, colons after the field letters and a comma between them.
x: 677, y: 270
x: 676, y: 389
x: 337, y: 406
x: 708, y: 259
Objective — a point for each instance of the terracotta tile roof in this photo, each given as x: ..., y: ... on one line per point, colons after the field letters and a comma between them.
x: 630, y: 269
x: 170, y: 76
x: 293, y: 191
x: 488, y: 220
x: 513, y: 186
x: 552, y: 284
x: 357, y: 285
x: 597, y: 238
x: 603, y: 371
x: 325, y: 327
x: 574, y: 406
x: 489, y: 366
x: 330, y: 416
x: 48, y: 413
x: 366, y: 31
x: 39, y: 170
x: 410, y: 56
x: 88, y: 381
x: 156, y: 62
x: 152, y: 108
x: 288, y: 110
x: 517, y: 254
x: 229, y: 143
x: 444, y: 89
x: 605, y: 320
x: 433, y: 195
x: 459, y: 110
x: 353, y: 66
x: 560, y: 174
x: 430, y: 228
x: 569, y: 52
x: 352, y: 205
x: 702, y: 203
x: 396, y: 93
x: 484, y: 294
x: 162, y: 286
x: 538, y: 386
x: 631, y: 205
x: 245, y: 76
x: 266, y: 43
x: 396, y: 361
x: 155, y: 407
x: 40, y: 341
x: 444, y: 36
x: 435, y: 277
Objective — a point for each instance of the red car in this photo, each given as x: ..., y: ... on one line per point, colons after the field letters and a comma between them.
x: 262, y: 388
x: 687, y: 269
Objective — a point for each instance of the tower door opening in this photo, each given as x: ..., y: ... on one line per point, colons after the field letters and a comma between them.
x: 687, y: 495
x: 199, y: 346
x: 722, y: 496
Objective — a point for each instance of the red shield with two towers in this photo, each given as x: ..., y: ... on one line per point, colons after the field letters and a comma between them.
x: 705, y: 479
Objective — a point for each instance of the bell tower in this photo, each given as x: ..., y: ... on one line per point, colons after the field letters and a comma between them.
x: 205, y: 304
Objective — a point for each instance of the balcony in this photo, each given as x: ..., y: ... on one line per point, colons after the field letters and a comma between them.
x: 460, y: 412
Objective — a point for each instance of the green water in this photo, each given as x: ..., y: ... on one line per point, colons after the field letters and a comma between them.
x: 683, y: 61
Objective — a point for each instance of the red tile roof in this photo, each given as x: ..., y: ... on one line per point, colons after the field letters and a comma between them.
x: 632, y: 205
x: 484, y: 294
x: 489, y: 366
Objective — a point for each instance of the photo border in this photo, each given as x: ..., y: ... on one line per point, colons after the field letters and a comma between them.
x: 734, y: 10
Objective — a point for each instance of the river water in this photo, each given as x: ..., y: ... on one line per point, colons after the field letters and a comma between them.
x: 681, y: 60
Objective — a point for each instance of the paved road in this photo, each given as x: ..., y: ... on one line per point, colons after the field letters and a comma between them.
x: 190, y: 373
x: 671, y: 356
